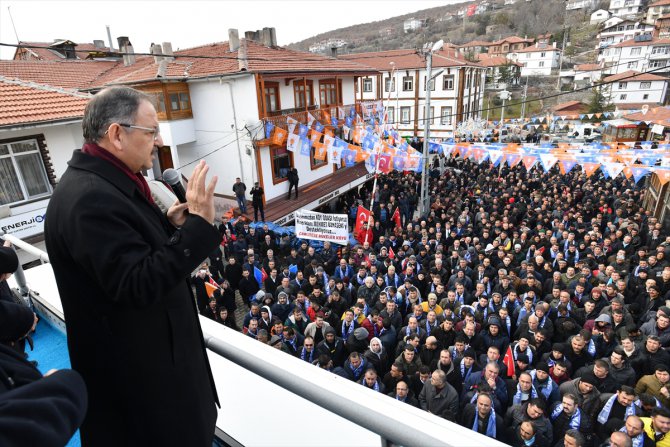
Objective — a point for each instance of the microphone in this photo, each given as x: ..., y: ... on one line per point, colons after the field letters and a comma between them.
x: 172, y: 178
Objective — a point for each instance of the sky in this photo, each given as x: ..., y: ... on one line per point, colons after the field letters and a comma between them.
x: 188, y: 23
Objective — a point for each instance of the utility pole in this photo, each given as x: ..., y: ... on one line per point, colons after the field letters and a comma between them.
x: 425, y: 204
x: 523, y: 104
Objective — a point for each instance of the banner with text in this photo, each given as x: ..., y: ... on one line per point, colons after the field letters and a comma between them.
x: 322, y: 227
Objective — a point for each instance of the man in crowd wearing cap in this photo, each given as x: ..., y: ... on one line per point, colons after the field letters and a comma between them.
x: 333, y: 346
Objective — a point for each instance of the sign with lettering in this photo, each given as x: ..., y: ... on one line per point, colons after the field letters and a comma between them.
x: 322, y: 227
x: 24, y: 225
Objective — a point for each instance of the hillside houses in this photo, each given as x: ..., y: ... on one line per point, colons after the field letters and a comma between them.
x: 457, y: 90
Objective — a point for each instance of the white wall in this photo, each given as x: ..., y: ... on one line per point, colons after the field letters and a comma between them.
x: 61, y: 141
x: 634, y: 94
x: 215, y: 132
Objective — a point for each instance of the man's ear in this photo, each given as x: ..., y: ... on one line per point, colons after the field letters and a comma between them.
x: 115, y: 136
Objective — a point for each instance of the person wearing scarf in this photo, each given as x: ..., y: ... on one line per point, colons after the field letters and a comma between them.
x: 543, y: 383
x: 623, y: 404
x: 371, y: 380
x: 348, y: 324
x: 634, y: 428
x: 524, y: 389
x: 566, y: 416
x: 480, y: 416
x: 307, y: 351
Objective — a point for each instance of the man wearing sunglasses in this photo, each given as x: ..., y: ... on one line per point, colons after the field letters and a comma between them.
x: 122, y: 269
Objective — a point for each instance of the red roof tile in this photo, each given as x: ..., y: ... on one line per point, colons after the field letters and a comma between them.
x: 487, y: 60
x: 567, y: 105
x: 658, y: 115
x: 66, y: 73
x: 409, y: 59
x: 633, y: 43
x: 27, y: 103
x: 660, y: 3
x: 587, y: 67
x: 632, y: 75
x: 513, y: 39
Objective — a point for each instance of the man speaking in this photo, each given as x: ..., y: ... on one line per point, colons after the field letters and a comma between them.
x: 121, y: 267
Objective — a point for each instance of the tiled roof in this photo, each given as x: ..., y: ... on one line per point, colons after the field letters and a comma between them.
x: 207, y: 60
x: 536, y: 49
x: 635, y: 106
x: 587, y: 67
x: 409, y: 59
x: 660, y: 3
x: 566, y: 105
x: 28, y: 103
x: 512, y: 39
x: 476, y: 43
x: 49, y: 54
x: 66, y: 73
x: 632, y: 75
x: 658, y: 115
x: 487, y: 60
x: 633, y: 43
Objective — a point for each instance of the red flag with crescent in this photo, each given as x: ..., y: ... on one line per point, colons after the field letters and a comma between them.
x: 362, y: 215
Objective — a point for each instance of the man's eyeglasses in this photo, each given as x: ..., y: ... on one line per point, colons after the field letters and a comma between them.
x: 156, y: 131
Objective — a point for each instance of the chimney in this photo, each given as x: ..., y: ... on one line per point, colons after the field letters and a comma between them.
x: 242, y: 60
x: 126, y: 48
x: 250, y: 35
x: 109, y: 37
x: 333, y: 52
x: 156, y: 50
x: 266, y: 37
x: 99, y: 44
x: 162, y: 68
x: 233, y: 39
x: 273, y: 36
x: 167, y: 51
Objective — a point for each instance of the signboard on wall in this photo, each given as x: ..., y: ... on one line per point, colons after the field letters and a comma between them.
x: 24, y: 225
x: 322, y: 227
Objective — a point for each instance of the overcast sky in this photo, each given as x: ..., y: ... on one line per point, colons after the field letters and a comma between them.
x: 188, y: 23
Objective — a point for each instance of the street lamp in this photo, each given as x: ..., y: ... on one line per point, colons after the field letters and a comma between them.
x: 394, y: 86
x: 425, y: 200
x: 504, y: 95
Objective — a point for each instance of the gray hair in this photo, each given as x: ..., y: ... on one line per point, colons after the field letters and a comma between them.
x: 111, y: 105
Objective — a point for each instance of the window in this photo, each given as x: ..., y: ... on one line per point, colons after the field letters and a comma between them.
x: 629, y: 27
x: 659, y: 50
x: 22, y: 173
x: 432, y: 84
x: 623, y: 85
x: 389, y: 84
x: 543, y: 54
x: 431, y: 116
x: 632, y: 64
x: 645, y: 85
x: 303, y: 94
x: 448, y: 82
x: 445, y: 116
x: 527, y: 55
x: 404, y: 115
x: 172, y: 101
x: 656, y: 64
x: 390, y: 111
x: 367, y: 85
x: 272, y: 97
x: 282, y: 161
x: 635, y: 51
x: 623, y: 97
x: 541, y: 64
x: 330, y: 93
x: 645, y: 96
x: 407, y: 83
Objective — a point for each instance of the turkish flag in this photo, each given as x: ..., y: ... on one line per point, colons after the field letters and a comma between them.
x: 508, y: 361
x: 396, y: 217
x: 391, y: 253
x: 385, y: 163
x: 362, y: 215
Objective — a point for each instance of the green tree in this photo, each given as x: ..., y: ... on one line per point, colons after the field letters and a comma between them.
x: 505, y: 73
x: 598, y: 102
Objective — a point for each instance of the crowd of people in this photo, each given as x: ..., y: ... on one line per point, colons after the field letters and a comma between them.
x: 528, y: 306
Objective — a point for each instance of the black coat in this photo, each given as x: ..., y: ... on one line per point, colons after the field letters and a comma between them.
x: 133, y: 331
x: 58, y: 402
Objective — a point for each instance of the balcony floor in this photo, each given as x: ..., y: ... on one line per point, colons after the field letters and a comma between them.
x: 309, y: 194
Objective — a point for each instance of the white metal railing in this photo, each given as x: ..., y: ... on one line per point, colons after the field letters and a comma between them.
x: 254, y: 379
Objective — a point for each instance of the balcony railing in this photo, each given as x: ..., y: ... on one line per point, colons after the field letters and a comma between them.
x: 289, y: 111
